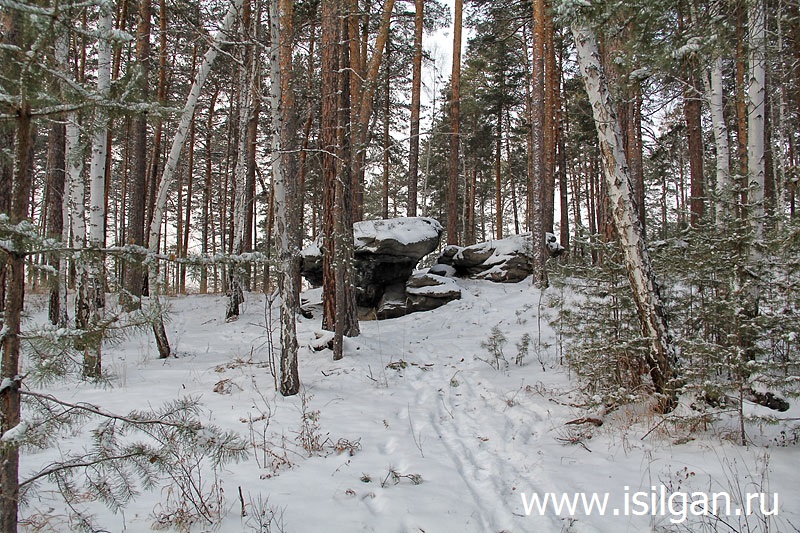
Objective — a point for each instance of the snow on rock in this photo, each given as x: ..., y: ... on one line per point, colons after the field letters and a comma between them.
x: 423, y: 292
x: 413, y: 237
x: 502, y: 260
x: 385, y: 255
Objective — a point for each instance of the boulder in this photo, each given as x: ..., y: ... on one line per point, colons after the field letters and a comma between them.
x: 503, y: 260
x: 422, y: 292
x: 385, y: 254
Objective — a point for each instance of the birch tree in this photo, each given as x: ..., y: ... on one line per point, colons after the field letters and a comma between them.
x: 247, y: 75
x: 662, y: 357
x: 714, y: 95
x: 171, y: 165
x: 90, y: 300
x: 756, y: 118
x: 284, y: 176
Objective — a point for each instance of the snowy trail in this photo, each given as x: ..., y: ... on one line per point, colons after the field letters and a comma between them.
x: 418, y: 397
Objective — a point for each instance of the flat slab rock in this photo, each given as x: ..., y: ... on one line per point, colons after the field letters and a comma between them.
x: 422, y: 292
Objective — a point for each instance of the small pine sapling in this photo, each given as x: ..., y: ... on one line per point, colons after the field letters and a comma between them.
x: 494, y: 345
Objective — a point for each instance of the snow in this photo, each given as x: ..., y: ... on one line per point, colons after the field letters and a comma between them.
x: 404, y: 230
x: 443, y: 285
x: 414, y: 431
x: 16, y: 434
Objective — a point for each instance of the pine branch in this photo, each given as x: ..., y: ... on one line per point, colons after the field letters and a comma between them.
x: 93, y: 409
x: 55, y: 468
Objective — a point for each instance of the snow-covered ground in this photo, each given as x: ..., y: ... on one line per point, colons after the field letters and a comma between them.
x: 416, y: 431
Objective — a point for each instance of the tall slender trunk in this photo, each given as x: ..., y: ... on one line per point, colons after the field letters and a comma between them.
x: 387, y: 118
x: 416, y: 85
x: 498, y: 176
x: 284, y: 171
x: 550, y: 103
x: 537, y: 186
x: 756, y: 116
x: 133, y: 278
x: 455, y: 123
x: 174, y: 154
x: 329, y: 142
x: 741, y: 108
x: 245, y: 105
x: 724, y: 185
x: 362, y: 101
x: 661, y: 358
x: 90, y: 301
x: 10, y: 339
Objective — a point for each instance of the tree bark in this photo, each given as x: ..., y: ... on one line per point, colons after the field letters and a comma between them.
x: 724, y: 186
x: 756, y: 116
x: 56, y: 170
x: 416, y: 85
x: 91, y: 292
x: 537, y: 186
x: 662, y: 357
x: 284, y: 171
x: 692, y: 113
x: 329, y: 137
x: 455, y: 124
x: 133, y: 278
x: 10, y: 338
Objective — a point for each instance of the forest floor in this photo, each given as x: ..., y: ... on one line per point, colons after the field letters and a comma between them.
x: 417, y: 430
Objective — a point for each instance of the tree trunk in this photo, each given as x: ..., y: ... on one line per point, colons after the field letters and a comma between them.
x: 284, y: 129
x: 328, y: 137
x: 724, y: 186
x: 692, y: 113
x: 416, y: 85
x: 550, y: 102
x: 741, y: 108
x: 662, y: 357
x: 387, y: 118
x: 498, y: 177
x: 362, y: 96
x: 346, y: 315
x: 537, y: 186
x: 174, y: 155
x: 756, y: 116
x: 10, y: 338
x: 247, y: 76
x: 92, y: 292
x: 455, y: 121
x: 133, y: 278
x: 56, y: 170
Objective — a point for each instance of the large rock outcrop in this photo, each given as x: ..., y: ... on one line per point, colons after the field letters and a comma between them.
x: 502, y: 260
x: 385, y: 254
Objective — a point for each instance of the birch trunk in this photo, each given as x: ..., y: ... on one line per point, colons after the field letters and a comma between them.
x: 91, y: 292
x: 185, y: 121
x: 280, y: 17
x: 756, y: 119
x: 724, y: 183
x: 650, y: 309
x: 235, y: 288
x: 174, y: 155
